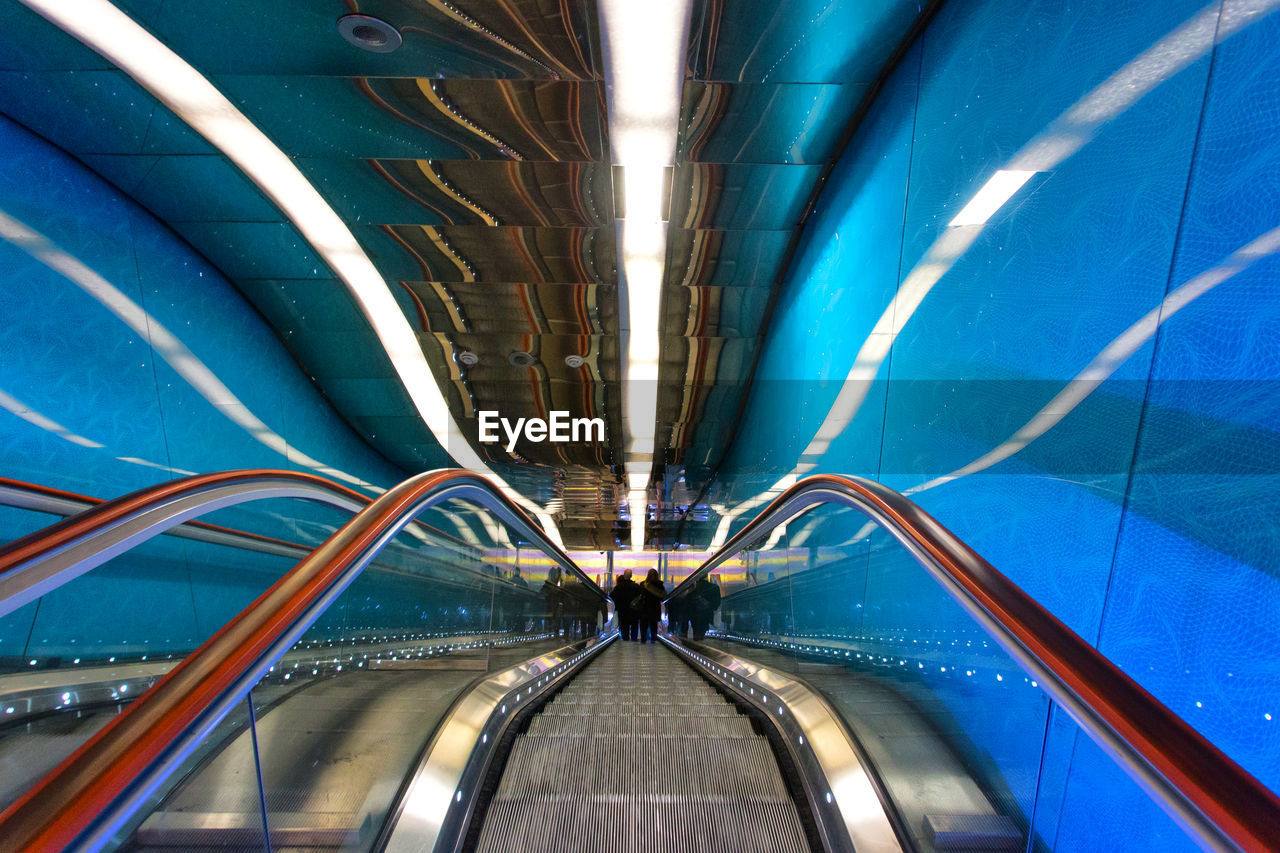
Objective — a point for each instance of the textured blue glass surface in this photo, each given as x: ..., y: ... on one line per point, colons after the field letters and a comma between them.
x: 1197, y: 561
x: 1080, y: 380
x: 126, y: 359
x: 1105, y: 810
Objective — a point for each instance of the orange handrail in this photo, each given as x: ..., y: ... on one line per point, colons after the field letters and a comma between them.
x: 93, y: 503
x: 1215, y: 797
x: 90, y: 794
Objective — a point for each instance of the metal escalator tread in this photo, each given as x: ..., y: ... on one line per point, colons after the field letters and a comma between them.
x: 639, y: 753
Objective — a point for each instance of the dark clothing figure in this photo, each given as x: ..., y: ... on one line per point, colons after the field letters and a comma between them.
x: 650, y: 600
x: 679, y: 616
x: 703, y: 603
x: 554, y: 601
x: 516, y: 602
x: 624, y: 592
x: 586, y: 608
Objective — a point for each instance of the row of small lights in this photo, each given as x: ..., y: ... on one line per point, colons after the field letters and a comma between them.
x: 871, y: 658
x: 869, y: 638
x: 418, y: 652
x: 68, y: 697
x: 309, y: 644
x: 421, y: 651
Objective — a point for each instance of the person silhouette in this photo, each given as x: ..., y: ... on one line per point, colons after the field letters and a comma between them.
x: 623, y: 595
x: 652, y: 592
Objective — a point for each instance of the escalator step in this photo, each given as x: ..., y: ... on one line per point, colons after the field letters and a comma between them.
x: 617, y: 766
x: 624, y: 825
x: 639, y: 753
x: 623, y: 725
x: 608, y: 709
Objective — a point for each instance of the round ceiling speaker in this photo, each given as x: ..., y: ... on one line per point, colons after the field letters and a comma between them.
x: 369, y: 33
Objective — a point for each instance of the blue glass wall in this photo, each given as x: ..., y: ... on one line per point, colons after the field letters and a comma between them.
x: 125, y: 360
x: 128, y: 357
x: 1079, y: 379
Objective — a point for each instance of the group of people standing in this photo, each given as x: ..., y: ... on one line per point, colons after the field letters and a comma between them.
x: 639, y: 607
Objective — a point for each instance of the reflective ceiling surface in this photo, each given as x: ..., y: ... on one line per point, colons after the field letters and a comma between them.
x: 473, y: 165
x: 772, y: 92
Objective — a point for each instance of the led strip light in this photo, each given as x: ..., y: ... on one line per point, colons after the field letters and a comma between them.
x: 184, y: 90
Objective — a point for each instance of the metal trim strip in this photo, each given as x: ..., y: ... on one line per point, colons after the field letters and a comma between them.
x: 436, y: 809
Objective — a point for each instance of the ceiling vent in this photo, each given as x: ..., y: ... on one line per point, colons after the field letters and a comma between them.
x: 521, y: 359
x: 369, y: 33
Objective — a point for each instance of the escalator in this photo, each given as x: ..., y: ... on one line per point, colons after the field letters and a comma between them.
x: 339, y: 712
x: 640, y: 753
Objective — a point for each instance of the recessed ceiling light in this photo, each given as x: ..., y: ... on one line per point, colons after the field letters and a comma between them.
x: 369, y: 33
x: 521, y: 359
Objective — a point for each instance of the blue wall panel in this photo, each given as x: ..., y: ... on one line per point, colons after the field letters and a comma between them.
x: 1200, y: 600
x: 1124, y: 472
x: 126, y: 359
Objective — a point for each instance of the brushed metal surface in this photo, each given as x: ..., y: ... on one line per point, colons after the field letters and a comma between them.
x: 639, y: 753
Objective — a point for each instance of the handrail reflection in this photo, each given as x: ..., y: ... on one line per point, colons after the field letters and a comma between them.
x: 22, y: 556
x: 92, y: 794
x: 1209, y: 794
x: 48, y: 558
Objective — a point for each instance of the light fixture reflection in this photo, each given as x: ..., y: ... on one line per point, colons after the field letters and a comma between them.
x: 180, y: 87
x: 998, y: 189
x: 1060, y: 140
x: 644, y: 55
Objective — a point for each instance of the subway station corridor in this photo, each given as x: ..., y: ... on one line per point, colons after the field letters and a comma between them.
x: 372, y: 373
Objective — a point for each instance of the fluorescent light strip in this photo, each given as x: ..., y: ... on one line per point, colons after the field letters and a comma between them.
x: 644, y: 50
x: 1104, y: 364
x: 1066, y: 135
x: 183, y: 89
x: 49, y: 425
x: 1097, y: 371
x: 165, y: 344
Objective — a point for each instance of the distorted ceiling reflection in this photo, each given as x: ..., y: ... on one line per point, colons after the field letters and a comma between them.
x: 473, y: 165
x: 773, y: 92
